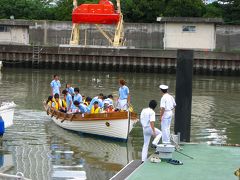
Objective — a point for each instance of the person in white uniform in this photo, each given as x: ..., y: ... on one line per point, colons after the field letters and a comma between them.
x: 147, y: 119
x: 167, y: 104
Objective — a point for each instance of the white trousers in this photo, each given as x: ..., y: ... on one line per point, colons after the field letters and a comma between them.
x: 147, y: 133
x: 122, y: 104
x: 165, y: 127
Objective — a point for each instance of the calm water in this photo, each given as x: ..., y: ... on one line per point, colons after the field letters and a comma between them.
x: 41, y: 150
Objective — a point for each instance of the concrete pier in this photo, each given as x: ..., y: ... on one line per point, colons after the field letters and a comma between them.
x: 113, y: 59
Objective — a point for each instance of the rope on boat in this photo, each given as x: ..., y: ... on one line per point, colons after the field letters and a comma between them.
x: 18, y: 176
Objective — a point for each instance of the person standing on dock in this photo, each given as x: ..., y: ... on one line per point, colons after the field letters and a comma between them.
x: 167, y: 104
x: 55, y: 85
x: 124, y: 97
x: 147, y: 119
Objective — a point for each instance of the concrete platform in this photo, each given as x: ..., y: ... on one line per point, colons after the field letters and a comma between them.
x: 209, y: 162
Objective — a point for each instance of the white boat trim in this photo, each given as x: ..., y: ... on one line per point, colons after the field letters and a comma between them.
x: 7, y: 112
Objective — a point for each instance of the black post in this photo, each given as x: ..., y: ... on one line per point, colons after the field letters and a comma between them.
x: 184, y: 73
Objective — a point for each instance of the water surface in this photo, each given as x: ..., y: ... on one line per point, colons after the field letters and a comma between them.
x: 42, y: 150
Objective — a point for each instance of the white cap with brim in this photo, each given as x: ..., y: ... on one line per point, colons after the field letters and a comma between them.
x: 162, y: 86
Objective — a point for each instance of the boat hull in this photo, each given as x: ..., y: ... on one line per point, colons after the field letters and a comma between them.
x: 115, y: 125
x: 107, y: 128
x: 7, y: 112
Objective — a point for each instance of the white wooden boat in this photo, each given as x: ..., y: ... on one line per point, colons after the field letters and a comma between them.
x: 115, y: 125
x: 7, y: 112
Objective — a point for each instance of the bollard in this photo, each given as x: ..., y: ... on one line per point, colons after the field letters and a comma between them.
x: 184, y: 71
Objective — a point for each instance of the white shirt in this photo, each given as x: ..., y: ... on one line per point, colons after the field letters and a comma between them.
x: 147, y: 116
x: 167, y: 102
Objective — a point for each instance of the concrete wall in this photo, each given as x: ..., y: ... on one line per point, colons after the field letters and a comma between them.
x: 202, y: 37
x: 136, y: 34
x: 15, y: 35
x: 228, y: 38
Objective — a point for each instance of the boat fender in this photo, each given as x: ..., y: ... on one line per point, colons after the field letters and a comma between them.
x: 2, y: 127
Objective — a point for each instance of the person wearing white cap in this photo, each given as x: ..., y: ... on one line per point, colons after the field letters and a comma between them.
x: 167, y: 104
x: 147, y: 119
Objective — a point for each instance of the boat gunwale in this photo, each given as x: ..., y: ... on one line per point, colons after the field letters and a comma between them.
x: 61, y: 116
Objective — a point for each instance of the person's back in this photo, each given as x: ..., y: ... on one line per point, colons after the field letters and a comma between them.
x: 168, y: 102
x: 83, y: 108
x: 147, y: 119
x: 75, y: 107
x: 146, y: 116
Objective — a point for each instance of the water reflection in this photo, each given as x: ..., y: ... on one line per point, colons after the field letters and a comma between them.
x: 42, y: 150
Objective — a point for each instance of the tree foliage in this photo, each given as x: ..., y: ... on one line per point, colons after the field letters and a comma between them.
x: 133, y: 10
x: 184, y: 8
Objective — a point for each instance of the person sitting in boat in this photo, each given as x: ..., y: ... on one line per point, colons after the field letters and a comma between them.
x: 87, y: 103
x: 110, y: 98
x: 83, y: 98
x: 75, y: 107
x: 78, y: 107
x: 124, y: 97
x: 99, y: 99
x: 77, y: 95
x: 57, y: 103
x: 106, y: 103
x: 110, y: 108
x: 70, y: 89
x: 68, y: 99
x: 49, y: 101
x: 64, y: 104
x: 55, y: 85
x: 95, y: 108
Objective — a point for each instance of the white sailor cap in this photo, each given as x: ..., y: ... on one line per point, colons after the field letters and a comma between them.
x: 162, y: 86
x: 106, y: 101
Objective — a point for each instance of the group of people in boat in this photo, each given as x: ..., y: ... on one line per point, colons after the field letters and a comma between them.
x: 73, y: 102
